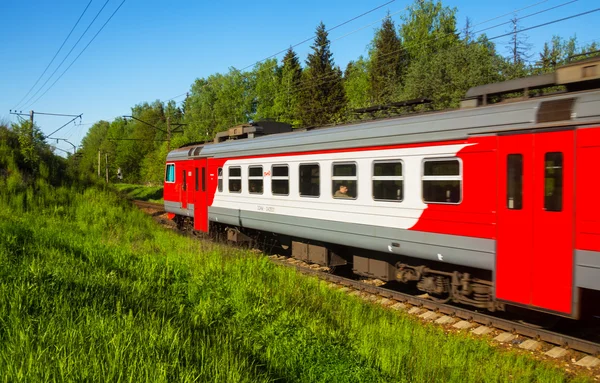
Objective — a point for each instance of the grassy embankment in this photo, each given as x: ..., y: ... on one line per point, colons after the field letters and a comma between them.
x: 92, y: 290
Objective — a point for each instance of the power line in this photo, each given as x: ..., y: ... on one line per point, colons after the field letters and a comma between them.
x: 359, y: 29
x: 56, y: 54
x: 88, y: 44
x: 68, y: 54
x: 526, y: 16
x: 544, y: 24
x: 311, y: 38
x: 324, y: 81
x: 509, y: 13
x: 306, y: 40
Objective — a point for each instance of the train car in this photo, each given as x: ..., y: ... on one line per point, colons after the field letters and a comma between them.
x: 487, y: 205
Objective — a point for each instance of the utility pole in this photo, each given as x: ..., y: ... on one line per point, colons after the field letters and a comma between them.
x: 98, y: 163
x: 168, y: 134
x: 31, y: 119
x: 106, y: 166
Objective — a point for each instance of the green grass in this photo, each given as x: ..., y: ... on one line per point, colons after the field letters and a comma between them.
x: 141, y: 192
x: 92, y: 290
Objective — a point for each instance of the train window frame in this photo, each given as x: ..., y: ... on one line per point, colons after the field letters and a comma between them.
x: 318, y: 165
x: 256, y: 178
x: 552, y: 204
x: 220, y: 180
x: 280, y: 178
x: 458, y: 178
x: 344, y: 178
x: 514, y: 181
x: 170, y: 164
x: 234, y: 178
x: 387, y: 178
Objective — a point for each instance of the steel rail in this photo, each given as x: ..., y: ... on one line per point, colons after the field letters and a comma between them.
x: 152, y: 205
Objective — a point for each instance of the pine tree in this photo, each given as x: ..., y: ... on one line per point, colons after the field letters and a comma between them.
x: 388, y: 63
x: 518, y: 48
x: 322, y: 97
x: 286, y: 100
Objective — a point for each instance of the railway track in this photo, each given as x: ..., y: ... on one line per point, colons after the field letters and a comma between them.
x: 159, y: 207
x: 575, y: 351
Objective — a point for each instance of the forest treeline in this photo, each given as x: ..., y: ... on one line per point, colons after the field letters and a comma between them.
x: 426, y: 55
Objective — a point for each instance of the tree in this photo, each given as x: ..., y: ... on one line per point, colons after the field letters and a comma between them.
x: 265, y: 84
x: 428, y: 28
x: 31, y: 141
x: 286, y: 99
x: 519, y: 51
x: 356, y: 83
x: 388, y: 64
x: 322, y: 98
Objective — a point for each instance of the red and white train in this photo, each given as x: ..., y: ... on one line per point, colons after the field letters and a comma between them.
x: 492, y: 204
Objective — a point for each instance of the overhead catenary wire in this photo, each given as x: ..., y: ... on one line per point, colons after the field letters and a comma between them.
x: 68, y: 54
x: 366, y: 26
x: 73, y: 62
x: 526, y: 16
x: 328, y: 30
x: 333, y: 106
x: 545, y: 24
x: 56, y: 54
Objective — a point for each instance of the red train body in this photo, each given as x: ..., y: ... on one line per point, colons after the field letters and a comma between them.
x: 487, y: 205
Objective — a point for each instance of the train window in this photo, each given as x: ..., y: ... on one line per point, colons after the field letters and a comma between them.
x: 553, y: 181
x: 203, y: 179
x: 280, y: 180
x: 388, y: 181
x: 255, y: 179
x: 309, y: 180
x: 220, y: 179
x: 514, y: 182
x: 197, y: 179
x: 235, y: 179
x: 170, y: 173
x: 442, y: 180
x: 344, y: 181
x: 184, y: 178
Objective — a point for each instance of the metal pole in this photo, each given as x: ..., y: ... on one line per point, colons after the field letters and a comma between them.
x: 98, y: 162
x: 106, y: 166
x: 31, y: 118
x: 168, y: 134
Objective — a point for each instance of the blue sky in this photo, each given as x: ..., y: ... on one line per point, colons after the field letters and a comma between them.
x: 154, y: 50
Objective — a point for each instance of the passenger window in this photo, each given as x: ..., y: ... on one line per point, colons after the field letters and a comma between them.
x: 255, y: 179
x: 280, y: 180
x: 514, y: 182
x: 220, y: 179
x: 170, y: 173
x: 184, y: 183
x: 309, y: 180
x: 344, y: 180
x: 235, y: 179
x: 388, y: 181
x: 553, y: 181
x: 442, y: 180
x: 196, y: 179
x: 203, y: 179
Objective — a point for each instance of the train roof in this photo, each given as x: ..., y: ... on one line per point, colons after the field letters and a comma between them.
x: 476, y: 117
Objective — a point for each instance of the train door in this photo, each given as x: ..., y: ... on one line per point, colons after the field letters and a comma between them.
x: 200, y: 206
x: 534, y: 254
x: 183, y: 189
